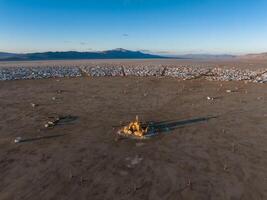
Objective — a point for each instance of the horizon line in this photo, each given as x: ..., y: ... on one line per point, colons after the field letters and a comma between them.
x: 162, y: 53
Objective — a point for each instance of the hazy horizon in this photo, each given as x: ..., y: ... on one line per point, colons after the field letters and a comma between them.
x: 159, y: 27
x: 140, y: 50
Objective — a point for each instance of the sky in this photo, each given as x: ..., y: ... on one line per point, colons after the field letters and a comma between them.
x: 158, y: 26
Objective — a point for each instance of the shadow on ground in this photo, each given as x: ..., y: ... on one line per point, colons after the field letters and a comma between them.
x: 168, y: 126
x: 41, y: 138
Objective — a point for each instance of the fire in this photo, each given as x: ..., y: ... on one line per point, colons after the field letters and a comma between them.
x: 134, y: 129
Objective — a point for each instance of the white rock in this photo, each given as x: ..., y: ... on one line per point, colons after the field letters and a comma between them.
x: 18, y: 140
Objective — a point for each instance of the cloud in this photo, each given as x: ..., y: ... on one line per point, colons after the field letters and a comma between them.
x: 83, y: 43
x: 125, y: 35
x: 144, y: 50
x: 157, y: 52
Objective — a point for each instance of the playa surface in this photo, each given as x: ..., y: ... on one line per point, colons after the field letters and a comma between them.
x: 212, y: 148
x: 251, y: 64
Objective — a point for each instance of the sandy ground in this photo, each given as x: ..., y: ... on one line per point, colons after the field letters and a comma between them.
x: 222, y: 63
x: 211, y: 149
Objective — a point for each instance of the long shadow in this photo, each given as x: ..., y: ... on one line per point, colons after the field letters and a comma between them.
x: 69, y: 119
x: 64, y: 120
x: 41, y: 138
x: 168, y: 126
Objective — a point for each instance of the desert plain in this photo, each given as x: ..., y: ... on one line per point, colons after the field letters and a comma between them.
x: 213, y: 145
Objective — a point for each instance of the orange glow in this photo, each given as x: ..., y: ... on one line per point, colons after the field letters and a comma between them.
x: 134, y: 128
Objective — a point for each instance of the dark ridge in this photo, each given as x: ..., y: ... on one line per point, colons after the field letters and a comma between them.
x: 70, y: 55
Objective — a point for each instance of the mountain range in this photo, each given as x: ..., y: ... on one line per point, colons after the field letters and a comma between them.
x: 115, y: 54
x: 109, y: 54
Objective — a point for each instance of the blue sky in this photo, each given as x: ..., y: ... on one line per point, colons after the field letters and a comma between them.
x: 173, y: 26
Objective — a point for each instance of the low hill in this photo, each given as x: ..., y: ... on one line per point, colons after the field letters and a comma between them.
x: 260, y: 56
x: 207, y: 56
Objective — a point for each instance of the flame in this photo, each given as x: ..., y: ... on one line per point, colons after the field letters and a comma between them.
x: 134, y: 128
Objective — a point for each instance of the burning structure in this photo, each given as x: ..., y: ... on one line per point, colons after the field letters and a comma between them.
x: 135, y: 129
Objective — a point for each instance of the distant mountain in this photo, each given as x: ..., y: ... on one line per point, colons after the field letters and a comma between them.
x: 6, y: 55
x: 260, y: 56
x: 206, y: 56
x: 117, y: 54
x: 110, y: 54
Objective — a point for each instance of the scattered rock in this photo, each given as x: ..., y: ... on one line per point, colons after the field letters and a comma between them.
x: 185, y: 72
x: 102, y: 70
x: 17, y: 73
x: 262, y: 78
x: 210, y: 98
x: 143, y: 70
x: 49, y: 124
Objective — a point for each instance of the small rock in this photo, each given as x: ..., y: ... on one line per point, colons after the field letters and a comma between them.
x: 18, y: 140
x: 49, y: 124
x: 33, y: 105
x: 228, y: 91
x: 210, y: 98
x: 53, y: 98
